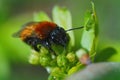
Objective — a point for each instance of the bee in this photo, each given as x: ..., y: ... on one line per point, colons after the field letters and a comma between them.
x: 43, y: 33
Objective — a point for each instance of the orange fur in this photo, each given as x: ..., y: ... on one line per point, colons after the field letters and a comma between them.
x: 41, y: 29
x: 44, y: 28
x: 26, y: 32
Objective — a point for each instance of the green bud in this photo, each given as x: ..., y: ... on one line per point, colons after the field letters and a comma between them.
x: 43, y: 50
x: 71, y: 57
x: 45, y: 60
x: 58, y: 73
x: 62, y: 60
x: 34, y: 57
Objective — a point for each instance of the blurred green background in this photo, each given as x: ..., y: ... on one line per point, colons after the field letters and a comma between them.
x: 14, y: 13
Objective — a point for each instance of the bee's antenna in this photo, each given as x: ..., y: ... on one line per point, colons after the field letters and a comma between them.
x: 75, y: 28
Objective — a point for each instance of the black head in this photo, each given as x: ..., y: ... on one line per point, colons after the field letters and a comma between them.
x: 59, y: 36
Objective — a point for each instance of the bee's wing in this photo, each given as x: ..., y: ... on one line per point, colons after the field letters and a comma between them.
x: 17, y: 34
x: 28, y: 24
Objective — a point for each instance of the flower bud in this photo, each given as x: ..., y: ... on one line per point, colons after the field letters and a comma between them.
x: 34, y: 57
x: 62, y: 60
x: 45, y: 60
x: 58, y: 73
x: 83, y: 57
x: 71, y: 57
x: 43, y: 50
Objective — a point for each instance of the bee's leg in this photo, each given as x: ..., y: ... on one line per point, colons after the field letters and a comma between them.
x: 47, y: 45
x: 51, y: 50
x: 36, y: 48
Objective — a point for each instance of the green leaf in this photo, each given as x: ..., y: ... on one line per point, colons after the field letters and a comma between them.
x: 75, y: 68
x: 41, y: 16
x: 115, y: 52
x: 62, y: 17
x: 90, y: 33
x: 99, y: 71
x: 105, y: 54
